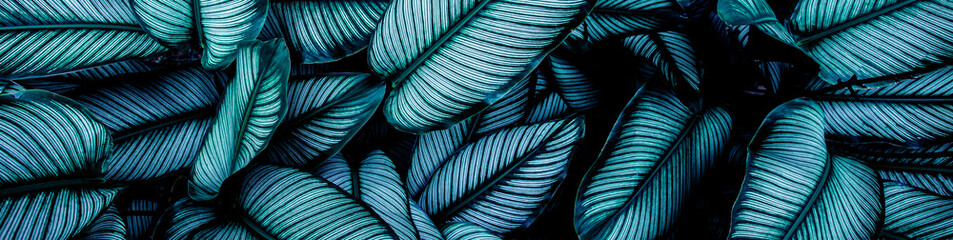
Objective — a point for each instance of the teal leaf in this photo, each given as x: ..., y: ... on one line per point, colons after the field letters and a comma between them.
x: 928, y: 168
x: 572, y: 83
x: 51, y: 166
x: 271, y: 202
x: 67, y: 82
x: 442, y: 69
x: 612, y: 18
x: 140, y: 216
x: 793, y: 189
x: 157, y: 119
x: 547, y: 107
x: 250, y: 109
x: 914, y: 214
x: 319, y: 31
x: 672, y: 53
x: 433, y: 149
x: 426, y: 227
x: 324, y: 112
x: 467, y: 231
x: 86, y: 33
x: 657, y: 154
x: 501, y: 181
x: 756, y: 13
x: 375, y: 181
x: 108, y: 226
x: 170, y: 22
x: 224, y: 24
x: 915, y: 111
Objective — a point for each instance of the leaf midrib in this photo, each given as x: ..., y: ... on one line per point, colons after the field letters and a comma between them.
x: 426, y: 55
x: 119, y: 27
x: 85, y: 182
x: 897, y: 99
x: 861, y: 19
x: 816, y: 191
x: 161, y: 123
x: 665, y: 159
x: 442, y: 216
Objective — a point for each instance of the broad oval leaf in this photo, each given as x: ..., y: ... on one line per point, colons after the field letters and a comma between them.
x: 913, y: 214
x: 170, y: 22
x: 250, y: 109
x: 756, y: 13
x: 51, y: 165
x: 271, y: 202
x: 467, y: 231
x: 672, y: 53
x: 793, y: 189
x: 320, y: 31
x: 434, y: 149
x: 375, y: 181
x: 324, y: 112
x: 611, y: 18
x: 572, y: 83
x: 464, y: 56
x: 85, y: 33
x: 158, y: 119
x: 916, y: 111
x: 656, y: 156
x: 502, y: 180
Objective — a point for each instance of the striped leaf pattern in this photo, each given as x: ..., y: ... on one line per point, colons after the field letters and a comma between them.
x: 170, y: 22
x: 672, y: 53
x: 502, y: 189
x: 108, y: 226
x: 223, y: 26
x: 465, y: 230
x: 928, y: 168
x: 794, y: 189
x: 656, y: 155
x: 86, y: 33
x: 50, y: 164
x: 324, y: 112
x: 443, y: 73
x: 319, y: 31
x: 250, y: 109
x: 915, y: 214
x: 612, y: 18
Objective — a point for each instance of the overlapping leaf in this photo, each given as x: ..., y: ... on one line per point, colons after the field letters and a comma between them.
x: 656, y: 156
x: 50, y: 164
x: 572, y: 83
x: 794, y: 189
x: 108, y: 226
x: 319, y: 31
x: 672, y: 53
x: 610, y: 18
x: 83, y: 33
x: 465, y: 230
x: 449, y: 60
x: 501, y: 180
x: 928, y: 168
x: 277, y: 203
x: 250, y: 109
x: 324, y: 112
x: 838, y: 35
x: 375, y: 182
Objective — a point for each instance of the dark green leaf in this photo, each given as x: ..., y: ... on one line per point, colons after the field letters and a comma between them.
x: 915, y: 214
x: 319, y: 31
x: 928, y: 168
x: 672, y: 53
x: 610, y: 18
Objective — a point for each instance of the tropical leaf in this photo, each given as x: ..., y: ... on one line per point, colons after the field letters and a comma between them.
x: 85, y: 33
x: 928, y: 168
x: 271, y: 202
x: 324, y: 112
x: 170, y: 22
x: 794, y: 189
x: 572, y: 83
x: 250, y: 109
x: 672, y: 53
x: 434, y: 149
x: 914, y: 214
x: 468, y: 231
x: 916, y: 111
x: 858, y: 39
x: 157, y: 119
x: 319, y: 31
x: 502, y: 189
x: 375, y: 181
x: 51, y: 166
x: 427, y: 229
x: 656, y: 156
x: 108, y: 226
x: 611, y: 18
x: 140, y: 216
x: 443, y: 70
x: 546, y: 103
x: 66, y: 82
